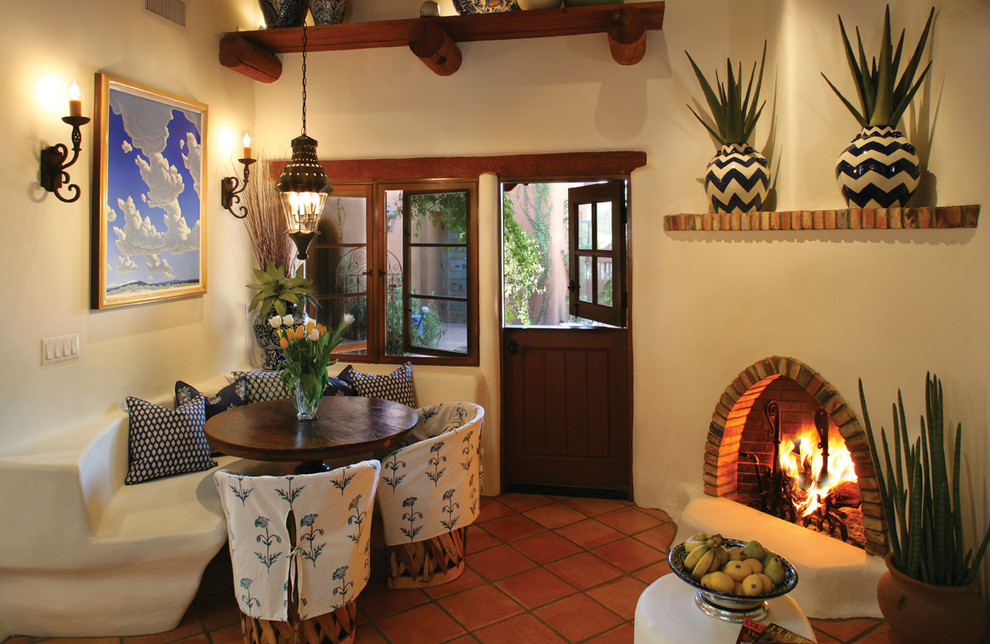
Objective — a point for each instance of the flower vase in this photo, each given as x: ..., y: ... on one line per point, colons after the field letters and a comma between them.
x: 922, y: 613
x: 306, y: 404
x: 879, y: 169
x: 737, y: 179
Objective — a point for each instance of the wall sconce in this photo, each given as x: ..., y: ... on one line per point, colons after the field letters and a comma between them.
x: 53, y: 158
x: 231, y: 188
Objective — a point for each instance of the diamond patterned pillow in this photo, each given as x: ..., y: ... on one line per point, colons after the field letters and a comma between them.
x: 263, y: 385
x: 233, y: 395
x: 163, y: 441
x: 396, y: 386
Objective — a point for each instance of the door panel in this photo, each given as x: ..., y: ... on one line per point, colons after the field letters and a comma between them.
x: 566, y: 409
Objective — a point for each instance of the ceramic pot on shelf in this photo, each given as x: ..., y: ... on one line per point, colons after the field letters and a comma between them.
x: 737, y: 180
x: 283, y: 13
x: 329, y: 12
x: 879, y: 169
x: 920, y: 613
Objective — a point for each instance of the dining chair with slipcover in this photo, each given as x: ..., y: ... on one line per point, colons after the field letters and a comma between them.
x: 300, y: 551
x: 429, y: 493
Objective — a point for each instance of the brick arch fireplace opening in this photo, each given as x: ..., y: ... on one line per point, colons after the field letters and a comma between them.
x: 772, y: 402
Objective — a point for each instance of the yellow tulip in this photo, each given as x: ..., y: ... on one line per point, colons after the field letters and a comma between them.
x: 309, y: 325
x: 283, y: 343
x: 321, y: 329
x: 300, y: 332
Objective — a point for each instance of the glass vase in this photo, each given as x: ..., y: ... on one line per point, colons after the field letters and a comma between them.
x: 306, y: 406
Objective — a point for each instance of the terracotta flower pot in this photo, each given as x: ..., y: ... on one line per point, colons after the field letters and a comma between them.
x: 925, y: 613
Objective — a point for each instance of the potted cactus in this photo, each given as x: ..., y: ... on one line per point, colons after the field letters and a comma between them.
x: 737, y: 179
x: 880, y: 169
x: 929, y: 593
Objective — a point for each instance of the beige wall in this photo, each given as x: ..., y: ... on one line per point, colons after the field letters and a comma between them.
x: 884, y: 306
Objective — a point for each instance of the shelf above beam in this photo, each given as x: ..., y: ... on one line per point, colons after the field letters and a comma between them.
x: 617, y: 20
x: 845, y: 219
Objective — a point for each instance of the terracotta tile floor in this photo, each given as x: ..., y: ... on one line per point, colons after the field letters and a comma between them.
x: 540, y: 570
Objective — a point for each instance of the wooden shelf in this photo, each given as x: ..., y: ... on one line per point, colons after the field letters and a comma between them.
x: 254, y: 52
x: 845, y: 219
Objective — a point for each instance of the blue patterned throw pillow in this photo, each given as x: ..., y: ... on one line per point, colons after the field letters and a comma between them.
x: 396, y: 386
x: 163, y: 441
x: 263, y: 385
x: 233, y: 395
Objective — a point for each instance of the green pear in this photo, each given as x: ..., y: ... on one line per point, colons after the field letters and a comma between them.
x: 753, y: 549
x: 775, y: 571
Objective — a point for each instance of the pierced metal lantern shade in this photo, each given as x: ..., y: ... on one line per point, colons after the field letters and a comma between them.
x: 303, y: 189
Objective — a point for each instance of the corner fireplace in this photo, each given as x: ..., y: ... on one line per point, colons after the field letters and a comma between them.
x: 780, y: 407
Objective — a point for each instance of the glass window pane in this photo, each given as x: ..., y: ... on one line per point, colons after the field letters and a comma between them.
x: 604, y: 224
x: 604, y: 296
x: 344, y: 221
x: 584, y: 226
x: 331, y: 312
x: 438, y: 217
x: 439, y: 324
x: 585, y: 293
x: 340, y: 270
x: 438, y: 270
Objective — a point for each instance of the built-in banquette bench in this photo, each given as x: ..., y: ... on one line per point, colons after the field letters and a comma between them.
x: 82, y: 554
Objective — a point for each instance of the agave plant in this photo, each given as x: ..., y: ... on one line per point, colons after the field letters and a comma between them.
x: 277, y: 289
x: 882, y: 101
x: 922, y: 506
x: 734, y: 114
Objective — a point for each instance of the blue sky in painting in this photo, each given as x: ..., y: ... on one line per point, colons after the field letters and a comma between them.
x: 153, y: 203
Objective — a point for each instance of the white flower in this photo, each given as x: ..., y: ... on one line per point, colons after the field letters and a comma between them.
x: 314, y: 335
x: 348, y: 319
x: 287, y: 320
x: 425, y: 309
x: 275, y: 321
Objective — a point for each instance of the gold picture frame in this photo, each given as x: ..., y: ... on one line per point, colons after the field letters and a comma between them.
x: 149, y: 195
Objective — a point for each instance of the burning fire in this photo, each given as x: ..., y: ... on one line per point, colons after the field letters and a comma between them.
x: 801, y: 459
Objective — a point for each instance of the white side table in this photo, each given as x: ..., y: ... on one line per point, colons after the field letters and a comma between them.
x: 666, y: 614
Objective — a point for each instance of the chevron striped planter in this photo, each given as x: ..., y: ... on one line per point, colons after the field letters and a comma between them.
x: 737, y: 179
x: 878, y: 170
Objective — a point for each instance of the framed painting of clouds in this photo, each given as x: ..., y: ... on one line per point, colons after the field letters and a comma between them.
x: 149, y: 202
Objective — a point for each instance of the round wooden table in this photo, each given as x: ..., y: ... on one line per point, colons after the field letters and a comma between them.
x: 345, y: 425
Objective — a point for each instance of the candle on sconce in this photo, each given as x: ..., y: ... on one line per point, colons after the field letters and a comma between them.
x: 247, y: 146
x: 75, y: 105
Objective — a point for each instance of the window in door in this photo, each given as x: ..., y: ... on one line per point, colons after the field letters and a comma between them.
x: 563, y: 253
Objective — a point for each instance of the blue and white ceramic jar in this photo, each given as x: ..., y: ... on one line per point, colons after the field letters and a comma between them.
x: 879, y: 169
x: 737, y: 180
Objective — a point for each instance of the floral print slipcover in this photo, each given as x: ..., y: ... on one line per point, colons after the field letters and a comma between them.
x: 433, y: 485
x: 330, y: 560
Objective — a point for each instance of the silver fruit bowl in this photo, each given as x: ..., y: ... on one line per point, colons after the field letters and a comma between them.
x: 731, y: 607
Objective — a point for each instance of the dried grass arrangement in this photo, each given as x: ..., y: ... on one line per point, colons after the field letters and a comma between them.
x: 265, y: 223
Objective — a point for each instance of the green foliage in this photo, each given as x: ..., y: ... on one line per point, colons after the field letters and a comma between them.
x: 735, y: 115
x: 923, y: 509
x: 881, y: 100
x: 276, y: 289
x: 446, y: 211
x: 427, y: 334
x: 522, y: 268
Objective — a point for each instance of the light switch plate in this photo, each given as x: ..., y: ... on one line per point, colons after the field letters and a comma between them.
x: 60, y: 349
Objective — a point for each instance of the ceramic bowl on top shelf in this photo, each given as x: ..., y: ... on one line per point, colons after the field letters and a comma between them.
x: 731, y: 607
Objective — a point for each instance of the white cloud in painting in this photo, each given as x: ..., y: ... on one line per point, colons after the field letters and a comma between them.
x: 138, y: 236
x: 193, y: 158
x: 126, y: 264
x: 145, y: 121
x: 159, y: 266
x: 126, y: 146
x: 111, y: 214
x: 164, y: 187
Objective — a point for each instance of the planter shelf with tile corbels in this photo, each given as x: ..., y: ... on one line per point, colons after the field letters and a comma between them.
x: 844, y: 219
x: 434, y: 40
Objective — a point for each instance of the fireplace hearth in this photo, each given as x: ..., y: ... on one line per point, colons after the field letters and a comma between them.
x: 784, y: 442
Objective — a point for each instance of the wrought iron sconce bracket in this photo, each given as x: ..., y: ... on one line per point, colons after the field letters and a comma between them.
x: 231, y: 188
x: 54, y: 164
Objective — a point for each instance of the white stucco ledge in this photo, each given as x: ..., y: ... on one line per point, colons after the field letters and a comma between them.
x: 835, y: 579
x: 84, y: 555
